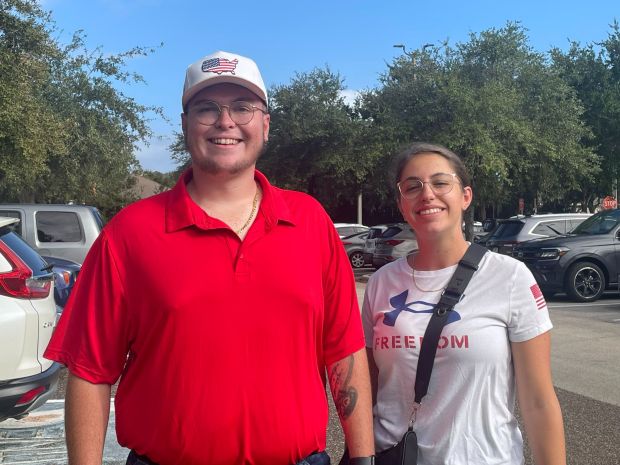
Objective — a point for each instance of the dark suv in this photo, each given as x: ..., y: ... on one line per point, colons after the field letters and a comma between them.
x: 513, y: 231
x: 583, y: 263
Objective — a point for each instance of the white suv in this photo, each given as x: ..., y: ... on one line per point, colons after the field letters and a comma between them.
x: 27, y: 319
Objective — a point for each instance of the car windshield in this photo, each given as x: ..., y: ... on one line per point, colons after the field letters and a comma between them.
x: 31, y: 258
x: 601, y: 223
x: 98, y: 218
x: 507, y: 229
x: 390, y: 232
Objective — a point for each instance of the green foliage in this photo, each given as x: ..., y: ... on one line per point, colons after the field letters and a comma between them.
x: 314, y: 140
x: 29, y: 131
x: 593, y: 71
x: 543, y: 127
x: 66, y: 131
x: 499, y: 105
x: 167, y: 180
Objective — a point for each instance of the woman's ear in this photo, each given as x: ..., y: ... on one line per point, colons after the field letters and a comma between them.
x: 468, y: 196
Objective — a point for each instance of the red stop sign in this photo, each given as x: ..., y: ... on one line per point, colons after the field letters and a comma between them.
x: 609, y: 202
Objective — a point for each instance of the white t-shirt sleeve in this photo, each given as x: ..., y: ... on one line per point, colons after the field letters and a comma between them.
x: 529, y: 315
x: 367, y: 316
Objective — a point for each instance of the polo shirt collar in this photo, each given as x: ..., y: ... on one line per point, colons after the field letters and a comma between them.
x: 183, y: 212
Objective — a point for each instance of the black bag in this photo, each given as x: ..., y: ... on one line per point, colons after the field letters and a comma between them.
x: 405, y: 452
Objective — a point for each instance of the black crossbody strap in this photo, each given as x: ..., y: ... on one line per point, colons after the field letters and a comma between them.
x: 450, y: 297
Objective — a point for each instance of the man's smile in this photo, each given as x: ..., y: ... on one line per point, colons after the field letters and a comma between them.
x: 222, y: 141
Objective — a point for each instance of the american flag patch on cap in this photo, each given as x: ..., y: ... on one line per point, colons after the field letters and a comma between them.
x: 219, y: 65
x: 538, y: 297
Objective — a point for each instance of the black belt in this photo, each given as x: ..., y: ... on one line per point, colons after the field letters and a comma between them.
x: 136, y: 459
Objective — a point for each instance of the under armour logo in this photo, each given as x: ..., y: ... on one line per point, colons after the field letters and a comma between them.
x: 399, y: 303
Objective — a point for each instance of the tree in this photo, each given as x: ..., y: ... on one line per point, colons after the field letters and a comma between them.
x: 593, y: 71
x: 167, y: 180
x: 499, y: 105
x: 67, y: 131
x: 29, y: 129
x: 314, y: 141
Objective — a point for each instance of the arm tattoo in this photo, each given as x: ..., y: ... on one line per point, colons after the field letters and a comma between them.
x: 345, y: 396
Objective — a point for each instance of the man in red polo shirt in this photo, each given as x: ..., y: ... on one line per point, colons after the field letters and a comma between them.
x: 219, y: 325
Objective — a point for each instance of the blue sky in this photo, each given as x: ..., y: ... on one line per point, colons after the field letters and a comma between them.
x: 354, y: 38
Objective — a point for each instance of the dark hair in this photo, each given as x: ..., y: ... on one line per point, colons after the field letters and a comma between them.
x: 418, y: 148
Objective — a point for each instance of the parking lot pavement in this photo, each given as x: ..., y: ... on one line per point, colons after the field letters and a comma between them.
x: 39, y: 439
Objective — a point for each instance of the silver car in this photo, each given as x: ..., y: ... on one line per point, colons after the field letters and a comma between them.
x: 62, y: 231
x: 398, y: 240
x: 354, y: 245
x: 348, y: 229
x: 369, y: 246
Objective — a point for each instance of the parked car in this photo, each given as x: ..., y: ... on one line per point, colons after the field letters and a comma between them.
x: 482, y: 239
x: 27, y: 319
x: 65, y: 275
x: 516, y: 230
x: 354, y: 246
x: 583, y: 263
x: 398, y: 240
x: 369, y: 246
x: 348, y: 229
x: 488, y: 224
x: 63, y: 231
x: 477, y: 230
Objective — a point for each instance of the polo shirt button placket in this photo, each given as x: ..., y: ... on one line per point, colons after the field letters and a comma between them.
x: 242, y: 269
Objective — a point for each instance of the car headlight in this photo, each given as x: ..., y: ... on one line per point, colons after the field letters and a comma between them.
x: 552, y: 253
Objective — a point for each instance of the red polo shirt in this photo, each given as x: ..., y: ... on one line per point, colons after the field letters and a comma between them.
x: 221, y: 344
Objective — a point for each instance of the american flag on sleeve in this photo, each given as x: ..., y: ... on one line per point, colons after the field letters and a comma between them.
x: 538, y: 297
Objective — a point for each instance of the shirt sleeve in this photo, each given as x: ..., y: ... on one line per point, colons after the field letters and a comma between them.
x: 367, y: 314
x: 91, y: 337
x: 343, y: 334
x: 529, y: 315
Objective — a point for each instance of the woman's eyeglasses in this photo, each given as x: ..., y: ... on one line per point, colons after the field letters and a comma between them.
x: 440, y: 184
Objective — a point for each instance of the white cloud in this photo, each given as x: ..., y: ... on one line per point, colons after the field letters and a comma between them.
x: 349, y: 96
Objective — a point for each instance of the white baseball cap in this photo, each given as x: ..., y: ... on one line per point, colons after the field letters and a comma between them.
x: 223, y: 67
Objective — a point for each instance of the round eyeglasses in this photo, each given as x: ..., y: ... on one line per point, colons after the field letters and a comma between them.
x: 208, y: 112
x: 440, y: 184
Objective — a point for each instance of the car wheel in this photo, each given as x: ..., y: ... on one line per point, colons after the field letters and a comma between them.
x: 585, y: 282
x: 357, y: 259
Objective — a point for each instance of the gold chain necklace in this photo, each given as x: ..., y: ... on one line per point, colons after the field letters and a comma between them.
x: 420, y: 287
x: 254, y: 205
